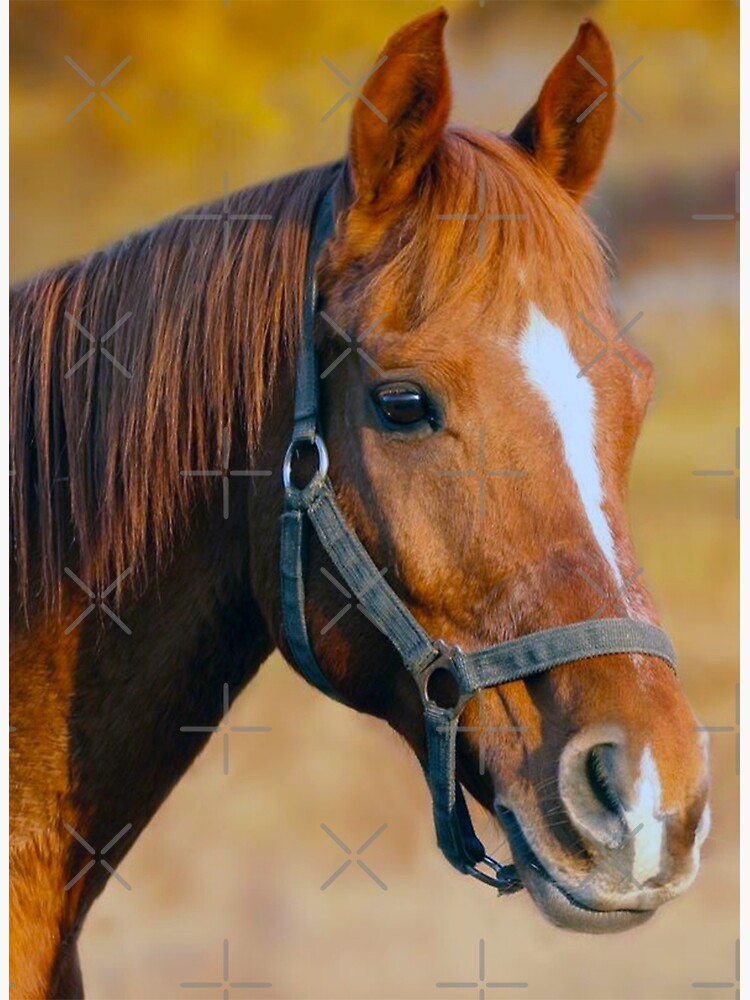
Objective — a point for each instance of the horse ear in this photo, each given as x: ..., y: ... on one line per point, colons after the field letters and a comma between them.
x: 568, y: 128
x: 401, y: 114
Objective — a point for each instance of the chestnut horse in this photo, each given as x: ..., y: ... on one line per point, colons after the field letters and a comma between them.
x: 457, y: 297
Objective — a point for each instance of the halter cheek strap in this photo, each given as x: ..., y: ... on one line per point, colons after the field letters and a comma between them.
x: 315, y: 504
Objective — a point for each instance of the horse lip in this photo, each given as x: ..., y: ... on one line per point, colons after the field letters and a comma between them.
x: 557, y: 903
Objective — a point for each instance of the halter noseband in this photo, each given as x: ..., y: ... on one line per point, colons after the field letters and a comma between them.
x: 422, y: 656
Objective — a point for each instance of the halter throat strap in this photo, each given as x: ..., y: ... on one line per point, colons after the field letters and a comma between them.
x: 314, y: 505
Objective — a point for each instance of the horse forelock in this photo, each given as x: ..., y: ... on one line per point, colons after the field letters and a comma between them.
x: 481, y: 186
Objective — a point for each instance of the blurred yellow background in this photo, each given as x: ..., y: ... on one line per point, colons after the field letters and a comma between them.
x: 235, y: 87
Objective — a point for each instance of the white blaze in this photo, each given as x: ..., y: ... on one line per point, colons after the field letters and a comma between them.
x: 703, y: 828
x: 570, y: 397
x: 645, y: 822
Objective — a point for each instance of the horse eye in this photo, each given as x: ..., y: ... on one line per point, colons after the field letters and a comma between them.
x: 402, y: 403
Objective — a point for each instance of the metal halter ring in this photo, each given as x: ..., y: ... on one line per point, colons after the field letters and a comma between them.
x: 506, y: 879
x: 286, y: 468
x: 444, y: 661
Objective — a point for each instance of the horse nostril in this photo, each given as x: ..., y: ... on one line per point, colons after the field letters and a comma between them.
x: 589, y: 789
x: 601, y: 774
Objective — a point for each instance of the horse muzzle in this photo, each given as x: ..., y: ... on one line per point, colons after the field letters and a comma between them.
x: 607, y: 891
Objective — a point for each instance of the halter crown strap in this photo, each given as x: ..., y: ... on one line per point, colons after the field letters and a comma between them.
x: 423, y: 656
x: 306, y: 387
x: 293, y: 520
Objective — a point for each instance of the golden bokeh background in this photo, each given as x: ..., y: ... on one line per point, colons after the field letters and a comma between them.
x: 239, y: 88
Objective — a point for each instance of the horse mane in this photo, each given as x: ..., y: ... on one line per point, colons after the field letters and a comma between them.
x: 96, y: 453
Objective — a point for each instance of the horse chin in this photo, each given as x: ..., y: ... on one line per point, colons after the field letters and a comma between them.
x: 557, y: 904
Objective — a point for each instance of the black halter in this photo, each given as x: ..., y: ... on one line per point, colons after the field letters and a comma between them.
x: 422, y: 655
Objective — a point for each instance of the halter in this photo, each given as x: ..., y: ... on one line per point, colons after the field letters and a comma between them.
x: 424, y: 657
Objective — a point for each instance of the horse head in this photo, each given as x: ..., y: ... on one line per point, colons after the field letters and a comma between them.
x: 481, y: 409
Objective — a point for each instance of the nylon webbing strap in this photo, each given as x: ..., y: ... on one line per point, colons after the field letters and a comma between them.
x: 306, y: 388
x: 535, y: 653
x: 455, y: 833
x: 293, y: 549
x: 376, y: 599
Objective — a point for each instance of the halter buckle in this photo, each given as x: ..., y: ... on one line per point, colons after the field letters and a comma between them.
x: 444, y: 662
x: 294, y: 444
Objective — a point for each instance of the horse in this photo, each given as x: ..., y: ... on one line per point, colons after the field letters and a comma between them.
x: 480, y: 459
